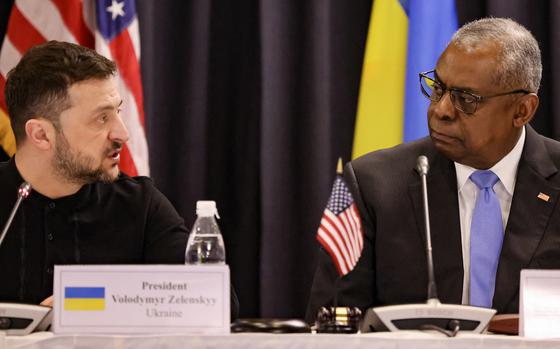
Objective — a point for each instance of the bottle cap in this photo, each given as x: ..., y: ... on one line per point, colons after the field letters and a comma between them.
x: 206, y: 209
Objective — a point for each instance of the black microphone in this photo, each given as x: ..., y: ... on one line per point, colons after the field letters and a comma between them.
x: 422, y: 167
x: 433, y: 315
x: 23, y: 192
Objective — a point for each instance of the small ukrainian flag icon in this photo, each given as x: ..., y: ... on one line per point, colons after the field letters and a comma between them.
x: 84, y: 298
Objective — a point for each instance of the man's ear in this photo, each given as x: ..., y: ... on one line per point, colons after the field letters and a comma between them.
x: 525, y: 109
x: 40, y: 133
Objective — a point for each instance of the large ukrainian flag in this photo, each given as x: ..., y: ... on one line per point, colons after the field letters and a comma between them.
x: 404, y: 38
x: 84, y: 298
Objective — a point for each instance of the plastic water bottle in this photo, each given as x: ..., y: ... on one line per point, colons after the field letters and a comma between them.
x: 205, y: 245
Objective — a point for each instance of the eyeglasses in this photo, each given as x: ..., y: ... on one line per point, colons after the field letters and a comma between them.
x: 463, y: 101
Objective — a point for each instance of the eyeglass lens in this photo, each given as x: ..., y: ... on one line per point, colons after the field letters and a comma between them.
x: 434, y: 91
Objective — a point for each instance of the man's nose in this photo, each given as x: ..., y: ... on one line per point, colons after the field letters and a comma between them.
x: 119, y: 132
x: 444, y: 108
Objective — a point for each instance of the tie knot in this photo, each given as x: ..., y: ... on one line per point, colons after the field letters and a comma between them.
x: 484, y: 179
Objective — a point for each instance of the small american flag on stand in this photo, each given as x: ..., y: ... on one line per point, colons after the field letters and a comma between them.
x: 340, y: 232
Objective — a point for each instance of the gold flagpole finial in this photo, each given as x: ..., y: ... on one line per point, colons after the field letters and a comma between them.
x: 339, y: 166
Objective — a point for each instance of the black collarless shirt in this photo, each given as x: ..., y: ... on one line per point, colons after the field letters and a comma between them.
x: 125, y: 222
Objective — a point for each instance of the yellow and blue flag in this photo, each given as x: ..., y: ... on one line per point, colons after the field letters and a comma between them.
x: 405, y: 37
x: 84, y: 298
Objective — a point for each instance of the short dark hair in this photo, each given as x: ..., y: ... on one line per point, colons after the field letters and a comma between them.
x: 38, y: 85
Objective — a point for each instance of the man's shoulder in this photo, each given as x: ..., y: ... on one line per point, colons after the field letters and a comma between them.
x: 4, y: 174
x: 4, y: 166
x: 552, y: 145
x: 400, y: 157
x: 126, y: 180
x: 540, y: 150
x: 9, y: 177
x: 133, y: 188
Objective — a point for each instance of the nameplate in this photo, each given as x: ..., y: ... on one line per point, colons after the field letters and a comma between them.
x: 141, y: 299
x: 539, y: 304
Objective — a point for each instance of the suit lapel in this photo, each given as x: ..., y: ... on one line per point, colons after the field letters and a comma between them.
x: 528, y: 218
x: 445, y: 226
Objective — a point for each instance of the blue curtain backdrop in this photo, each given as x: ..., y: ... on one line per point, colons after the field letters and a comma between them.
x: 250, y: 103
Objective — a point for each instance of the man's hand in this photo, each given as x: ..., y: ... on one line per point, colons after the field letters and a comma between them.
x: 48, y: 302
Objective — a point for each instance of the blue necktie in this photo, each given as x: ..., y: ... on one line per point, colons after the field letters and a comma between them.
x: 487, y: 234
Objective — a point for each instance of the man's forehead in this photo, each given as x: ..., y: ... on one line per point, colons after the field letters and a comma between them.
x: 91, y: 97
x: 92, y: 91
x: 467, y: 68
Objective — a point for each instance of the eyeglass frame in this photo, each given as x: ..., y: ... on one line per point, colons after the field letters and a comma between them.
x: 477, y: 98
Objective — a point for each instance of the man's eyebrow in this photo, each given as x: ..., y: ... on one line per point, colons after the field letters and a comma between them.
x: 105, y: 107
x: 460, y: 88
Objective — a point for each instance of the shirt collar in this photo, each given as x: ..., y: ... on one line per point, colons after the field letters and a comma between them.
x: 505, y: 169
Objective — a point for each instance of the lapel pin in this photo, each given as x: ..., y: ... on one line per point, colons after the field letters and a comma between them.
x: 543, y: 197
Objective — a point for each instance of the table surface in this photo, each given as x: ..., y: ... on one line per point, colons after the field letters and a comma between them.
x: 395, y: 340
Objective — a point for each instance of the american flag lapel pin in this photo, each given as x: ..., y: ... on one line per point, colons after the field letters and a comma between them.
x: 543, y: 197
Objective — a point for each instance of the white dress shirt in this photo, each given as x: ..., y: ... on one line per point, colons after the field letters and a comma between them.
x: 506, y: 170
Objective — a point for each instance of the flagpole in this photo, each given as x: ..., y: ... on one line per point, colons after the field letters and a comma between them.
x: 339, y: 171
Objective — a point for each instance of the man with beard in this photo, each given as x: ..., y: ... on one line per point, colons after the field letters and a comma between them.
x: 483, y: 93
x: 64, y: 109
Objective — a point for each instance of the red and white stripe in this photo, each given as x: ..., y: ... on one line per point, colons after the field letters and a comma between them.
x: 34, y: 22
x: 342, y: 237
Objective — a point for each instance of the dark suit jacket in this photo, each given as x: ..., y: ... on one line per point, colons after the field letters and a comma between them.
x: 392, y: 268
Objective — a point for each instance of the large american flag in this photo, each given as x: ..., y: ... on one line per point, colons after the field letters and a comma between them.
x: 340, y: 232
x: 108, y: 26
